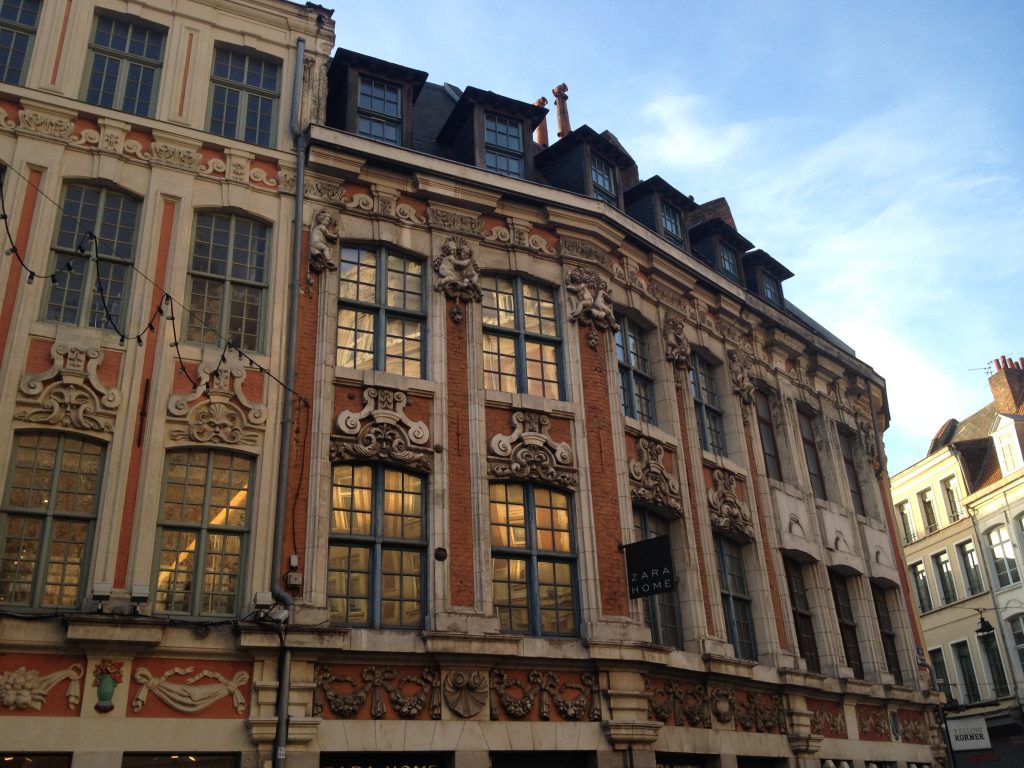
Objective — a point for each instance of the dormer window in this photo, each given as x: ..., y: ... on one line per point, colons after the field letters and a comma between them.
x: 503, y: 146
x: 730, y: 264
x: 380, y: 110
x: 671, y: 224
x: 603, y: 177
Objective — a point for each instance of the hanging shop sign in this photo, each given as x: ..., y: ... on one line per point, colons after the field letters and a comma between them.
x: 649, y: 567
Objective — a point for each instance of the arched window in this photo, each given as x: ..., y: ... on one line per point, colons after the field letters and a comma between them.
x: 49, y: 512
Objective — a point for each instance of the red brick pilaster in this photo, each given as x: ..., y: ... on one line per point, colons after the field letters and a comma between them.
x: 14, y: 272
x: 460, y: 506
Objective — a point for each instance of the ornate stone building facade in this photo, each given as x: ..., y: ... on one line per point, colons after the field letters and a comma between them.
x: 356, y: 491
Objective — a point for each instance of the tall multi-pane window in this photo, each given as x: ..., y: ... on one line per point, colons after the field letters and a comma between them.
x: 920, y: 578
x: 72, y: 296
x: 228, y: 283
x: 968, y: 680
x: 1004, y: 560
x: 847, y: 444
x: 811, y: 456
x: 944, y: 572
x: 887, y: 631
x: 379, y: 110
x: 772, y: 290
x: 533, y: 559
x: 971, y: 567
x: 661, y: 612
x: 941, y: 673
x: 704, y: 390
x: 125, y: 57
x: 996, y: 672
x: 736, y: 602
x: 803, y: 619
x: 847, y: 623
x: 927, y: 503
x: 521, y: 339
x: 637, y: 384
x: 951, y: 490
x: 503, y: 146
x: 672, y: 223
x: 381, y: 312
x: 907, y: 519
x: 46, y: 524
x: 203, y: 530
x: 375, y: 558
x: 766, y: 428
x: 18, y: 21
x: 730, y: 262
x: 243, y: 97
x: 1017, y: 627
x: 602, y: 174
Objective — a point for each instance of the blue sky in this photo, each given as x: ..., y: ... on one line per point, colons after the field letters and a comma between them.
x: 876, y: 149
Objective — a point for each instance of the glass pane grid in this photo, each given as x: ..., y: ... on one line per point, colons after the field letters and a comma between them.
x: 348, y: 584
x: 500, y: 363
x: 511, y: 594
x: 177, y: 568
x: 19, y: 558
x: 556, y: 594
x: 401, y: 577
x: 355, y: 339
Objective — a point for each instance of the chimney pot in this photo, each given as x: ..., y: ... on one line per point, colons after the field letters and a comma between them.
x: 561, y: 94
x: 540, y: 133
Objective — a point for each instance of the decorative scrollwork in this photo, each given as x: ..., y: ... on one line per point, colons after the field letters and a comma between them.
x: 465, y: 693
x: 454, y: 221
x: 761, y: 712
x: 217, y: 410
x: 516, y: 698
x: 382, y: 431
x: 680, y: 703
x: 727, y: 514
x: 70, y: 392
x: 530, y: 453
x: 649, y: 480
x: 411, y: 695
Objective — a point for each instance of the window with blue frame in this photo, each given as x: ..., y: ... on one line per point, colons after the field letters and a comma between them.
x: 379, y: 110
x: 125, y: 58
x: 602, y: 176
x: 736, y: 601
x: 375, y: 562
x: 635, y: 378
x: 661, y: 612
x: 18, y: 22
x: 522, y: 345
x: 533, y: 559
x: 503, y: 146
x: 707, y: 404
x: 243, y: 98
x: 671, y: 223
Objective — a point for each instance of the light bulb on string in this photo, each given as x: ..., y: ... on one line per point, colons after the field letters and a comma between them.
x: 31, y: 277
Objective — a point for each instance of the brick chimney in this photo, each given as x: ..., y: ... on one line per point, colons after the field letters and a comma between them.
x: 561, y: 94
x: 1007, y: 384
x: 540, y: 133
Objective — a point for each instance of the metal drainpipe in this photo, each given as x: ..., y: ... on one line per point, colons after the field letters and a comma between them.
x: 284, y: 657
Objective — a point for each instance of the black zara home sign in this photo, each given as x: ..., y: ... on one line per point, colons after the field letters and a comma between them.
x: 649, y: 567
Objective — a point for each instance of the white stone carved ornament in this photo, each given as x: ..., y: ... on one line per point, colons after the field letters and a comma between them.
x: 740, y: 364
x: 677, y: 349
x: 530, y: 453
x: 382, y: 432
x: 458, y: 274
x: 322, y: 235
x: 217, y: 410
x: 23, y: 688
x: 591, y: 300
x: 187, y: 696
x: 727, y: 514
x: 650, y: 481
x: 69, y: 394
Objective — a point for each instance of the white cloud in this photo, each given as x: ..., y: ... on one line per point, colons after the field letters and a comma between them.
x: 671, y: 133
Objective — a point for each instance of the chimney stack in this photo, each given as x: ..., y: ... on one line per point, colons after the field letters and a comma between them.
x: 1007, y: 384
x: 561, y: 94
x: 540, y: 133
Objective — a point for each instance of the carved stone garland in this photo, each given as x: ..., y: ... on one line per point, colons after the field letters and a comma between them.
x: 649, y: 480
x: 187, y: 696
x: 529, y: 453
x: 458, y: 274
x: 23, y: 688
x: 681, y: 703
x: 545, y: 687
x: 70, y: 393
x: 677, y: 349
x: 591, y: 302
x: 382, y: 431
x: 727, y: 514
x: 408, y: 697
x: 217, y: 410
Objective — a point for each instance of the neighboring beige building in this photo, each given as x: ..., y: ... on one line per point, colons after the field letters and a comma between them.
x: 961, y: 513
x: 325, y: 449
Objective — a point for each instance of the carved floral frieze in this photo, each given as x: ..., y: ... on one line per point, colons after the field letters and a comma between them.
x: 408, y: 695
x: 572, y: 248
x: 465, y: 692
x: 70, y: 393
x: 530, y: 453
x: 913, y: 726
x: 694, y: 705
x: 217, y: 411
x: 514, y: 695
x: 24, y: 688
x: 453, y: 221
x: 518, y: 234
x: 649, y: 480
x: 727, y: 513
x: 189, y: 695
x: 872, y: 723
x: 827, y: 719
x: 382, y: 431
x: 680, y: 703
